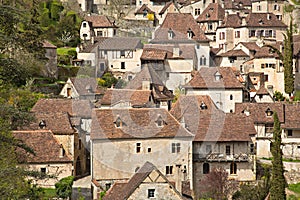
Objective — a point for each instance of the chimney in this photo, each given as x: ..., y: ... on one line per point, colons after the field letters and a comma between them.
x: 176, y: 52
x: 61, y: 151
x: 145, y: 85
x: 178, y: 183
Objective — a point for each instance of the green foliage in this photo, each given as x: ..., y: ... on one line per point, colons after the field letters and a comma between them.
x: 295, y: 187
x: 64, y: 187
x: 102, y: 194
x: 278, y: 96
x: 297, y: 95
x: 55, y: 9
x: 107, y: 80
x: 72, y: 53
x: 278, y: 183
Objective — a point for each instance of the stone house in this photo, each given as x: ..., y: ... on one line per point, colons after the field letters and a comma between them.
x: 50, y: 69
x: 122, y: 140
x: 148, y: 182
x: 232, y: 58
x: 170, y: 7
x: 50, y: 159
x: 221, y: 140
x: 195, y: 8
x: 262, y: 95
x: 97, y: 26
x: 144, y: 13
x: 262, y: 116
x: 267, y: 6
x: 221, y: 84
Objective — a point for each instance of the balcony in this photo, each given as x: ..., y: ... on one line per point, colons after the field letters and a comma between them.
x: 219, y: 157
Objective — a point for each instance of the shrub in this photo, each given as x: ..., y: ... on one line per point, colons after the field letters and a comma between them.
x: 63, y: 187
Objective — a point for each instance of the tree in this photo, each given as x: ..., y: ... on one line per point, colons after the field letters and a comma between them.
x: 216, y: 184
x: 64, y: 187
x: 278, y: 183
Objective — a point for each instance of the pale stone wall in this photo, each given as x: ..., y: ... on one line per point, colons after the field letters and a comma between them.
x: 64, y: 91
x: 58, y: 170
x: 162, y: 191
x: 264, y: 99
x: 68, y: 143
x: 88, y: 57
x: 291, y: 144
x: 118, y: 159
x: 85, y: 30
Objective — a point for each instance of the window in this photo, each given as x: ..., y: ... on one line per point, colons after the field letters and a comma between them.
x: 252, y: 148
x: 138, y: 147
x: 99, y: 33
x: 84, y: 24
x: 122, y: 53
x: 107, y: 186
x: 276, y: 7
x: 269, y: 128
x: 149, y: 150
x: 266, y: 77
x: 102, y: 67
x: 209, y: 26
x: 258, y: 8
x: 202, y: 60
x: 129, y: 77
x: 205, y: 168
x: 222, y: 35
x: 231, y: 97
x: 118, y: 122
x: 122, y: 65
x: 159, y: 121
x: 43, y: 171
x: 208, y: 148
x: 169, y: 169
x: 290, y: 133
x: 197, y: 11
x: 237, y: 34
x: 175, y: 147
x: 252, y: 33
x: 151, y: 193
x: 85, y: 35
x: 233, y: 168
x: 227, y: 150
x: 79, y: 144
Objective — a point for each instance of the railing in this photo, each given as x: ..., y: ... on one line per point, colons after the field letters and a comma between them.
x: 219, y: 157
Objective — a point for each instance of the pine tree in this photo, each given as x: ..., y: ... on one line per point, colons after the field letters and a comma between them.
x: 278, y: 183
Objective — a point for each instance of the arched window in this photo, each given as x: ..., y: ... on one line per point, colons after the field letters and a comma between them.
x: 233, y: 168
x: 205, y: 168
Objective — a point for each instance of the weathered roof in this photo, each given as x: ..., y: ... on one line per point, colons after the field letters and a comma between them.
x: 163, y: 10
x: 136, y: 123
x: 292, y: 120
x: 45, y: 146
x: 252, y: 46
x: 267, y: 52
x: 238, y: 53
x: 186, y: 51
x: 180, y: 24
x: 47, y: 44
x: 206, y: 78
x: 89, y: 47
x: 144, y: 8
x: 211, y: 124
x: 262, y: 91
x: 231, y: 21
x: 99, y: 21
x: 258, y: 111
x: 74, y: 107
x: 85, y: 86
x: 153, y: 54
x: 213, y: 12
x: 135, y: 97
x: 264, y: 20
x: 124, y: 190
x: 121, y: 43
x: 237, y: 4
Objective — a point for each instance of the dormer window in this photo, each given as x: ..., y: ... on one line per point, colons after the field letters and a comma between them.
x: 190, y: 33
x: 118, y: 122
x: 203, y: 106
x: 42, y: 124
x: 269, y: 112
x: 207, y: 15
x: 218, y: 76
x: 170, y: 34
x: 260, y: 21
x: 159, y: 121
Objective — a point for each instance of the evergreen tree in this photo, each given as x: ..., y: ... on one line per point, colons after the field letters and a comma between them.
x: 278, y: 183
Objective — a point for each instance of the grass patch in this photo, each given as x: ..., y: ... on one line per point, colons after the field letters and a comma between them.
x: 49, y: 193
x: 295, y: 187
x: 283, y: 159
x: 64, y: 50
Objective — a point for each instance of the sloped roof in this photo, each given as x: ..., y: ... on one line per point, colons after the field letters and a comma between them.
x: 136, y: 123
x: 135, y: 97
x: 121, y: 43
x: 180, y: 24
x: 153, y: 54
x: 231, y: 21
x: 211, y: 124
x: 266, y: 52
x: 124, y: 190
x: 252, y: 46
x: 163, y: 10
x: 264, y: 20
x: 238, y: 53
x: 92, y: 47
x: 205, y: 78
x: 74, y: 107
x: 213, y: 12
x: 144, y: 8
x: 99, y: 21
x: 257, y: 111
x: 262, y: 91
x: 186, y: 51
x: 292, y: 120
x: 47, y: 44
x: 86, y: 86
x: 45, y: 146
x: 237, y: 4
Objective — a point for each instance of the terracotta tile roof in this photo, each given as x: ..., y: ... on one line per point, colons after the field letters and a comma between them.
x: 213, y: 12
x: 186, y: 51
x: 262, y: 91
x: 238, y: 53
x: 205, y: 78
x: 98, y: 21
x: 252, y: 46
x: 292, y: 120
x: 80, y: 108
x: 180, y: 24
x: 86, y: 86
x: 258, y: 111
x: 237, y: 4
x: 47, y: 44
x: 231, y: 21
x: 45, y: 146
x: 144, y: 8
x: 153, y: 54
x: 215, y: 51
x: 264, y: 20
x: 163, y: 10
x: 124, y: 190
x: 92, y: 47
x: 57, y: 122
x: 136, y: 123
x: 266, y: 52
x: 121, y: 43
x: 211, y: 124
x: 135, y: 97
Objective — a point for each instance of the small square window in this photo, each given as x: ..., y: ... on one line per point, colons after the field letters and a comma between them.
x: 169, y: 170
x: 151, y: 193
x: 138, y: 147
x: 175, y: 147
x: 43, y: 171
x: 290, y: 133
x: 122, y: 65
x: 149, y: 150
